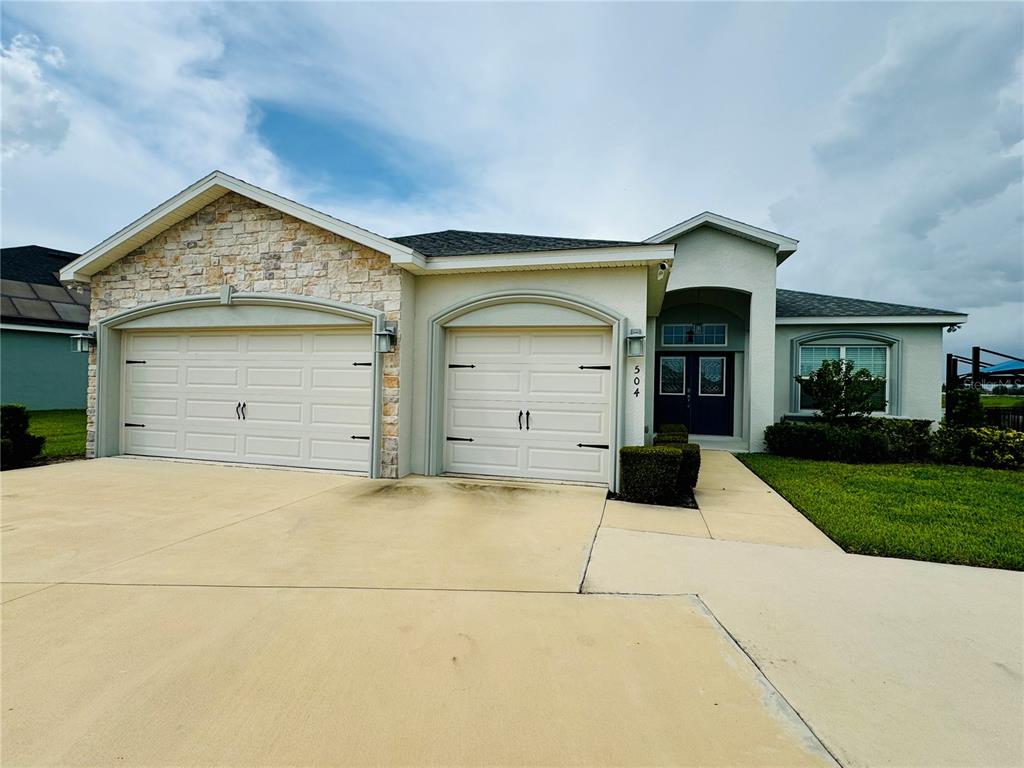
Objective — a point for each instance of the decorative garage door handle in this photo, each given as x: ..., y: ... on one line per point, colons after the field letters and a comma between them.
x: 520, y: 419
x: 243, y: 411
x: 238, y: 410
x: 527, y: 421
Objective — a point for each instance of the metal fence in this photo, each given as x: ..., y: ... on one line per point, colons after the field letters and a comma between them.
x: 1005, y: 418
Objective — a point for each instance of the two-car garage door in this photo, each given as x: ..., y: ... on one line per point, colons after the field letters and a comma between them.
x: 529, y: 403
x: 287, y: 397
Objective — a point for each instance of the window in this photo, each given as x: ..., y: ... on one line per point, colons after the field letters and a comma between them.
x: 874, y: 358
x: 712, y: 377
x: 684, y: 334
x: 673, y: 376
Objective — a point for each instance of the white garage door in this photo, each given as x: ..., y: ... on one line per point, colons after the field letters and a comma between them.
x: 530, y: 403
x: 298, y: 398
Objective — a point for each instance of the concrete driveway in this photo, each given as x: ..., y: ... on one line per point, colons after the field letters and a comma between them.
x: 161, y: 613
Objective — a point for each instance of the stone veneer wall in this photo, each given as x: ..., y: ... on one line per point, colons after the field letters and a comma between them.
x: 238, y: 242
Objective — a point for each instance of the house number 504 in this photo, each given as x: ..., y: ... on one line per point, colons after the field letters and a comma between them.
x: 636, y: 380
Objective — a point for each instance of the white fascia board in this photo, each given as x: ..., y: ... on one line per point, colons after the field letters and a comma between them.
x: 575, y: 258
x: 119, y: 244
x: 41, y: 329
x: 875, y: 320
x: 784, y: 246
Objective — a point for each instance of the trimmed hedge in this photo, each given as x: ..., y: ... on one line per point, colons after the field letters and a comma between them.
x: 674, y: 433
x: 909, y: 439
x: 979, y: 446
x: 18, y: 448
x: 648, y: 474
x: 828, y: 442
x: 689, y: 467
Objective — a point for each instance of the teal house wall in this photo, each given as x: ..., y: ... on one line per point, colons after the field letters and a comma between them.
x: 41, y: 371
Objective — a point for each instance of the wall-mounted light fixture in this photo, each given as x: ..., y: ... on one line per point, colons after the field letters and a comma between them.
x: 83, y: 342
x: 385, y: 338
x: 635, y: 342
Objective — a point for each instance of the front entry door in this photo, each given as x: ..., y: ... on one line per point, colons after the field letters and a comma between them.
x: 696, y: 389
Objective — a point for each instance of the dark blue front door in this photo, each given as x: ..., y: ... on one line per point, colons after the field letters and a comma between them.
x: 696, y: 389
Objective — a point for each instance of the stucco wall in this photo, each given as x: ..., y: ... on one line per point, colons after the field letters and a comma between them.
x: 708, y: 257
x: 41, y: 371
x: 919, y: 371
x: 623, y: 290
x: 236, y: 241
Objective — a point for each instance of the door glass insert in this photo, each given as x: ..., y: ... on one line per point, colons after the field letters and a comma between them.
x: 712, y: 376
x: 673, y: 376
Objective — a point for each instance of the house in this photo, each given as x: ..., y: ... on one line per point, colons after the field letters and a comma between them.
x: 38, y: 367
x: 235, y: 325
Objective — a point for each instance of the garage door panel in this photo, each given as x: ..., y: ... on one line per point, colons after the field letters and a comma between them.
x: 487, y: 382
x: 211, y: 376
x: 569, y: 386
x: 555, y: 463
x: 485, y: 347
x: 305, y: 397
x: 589, y: 346
x: 568, y: 423
x: 494, y: 458
x: 487, y: 417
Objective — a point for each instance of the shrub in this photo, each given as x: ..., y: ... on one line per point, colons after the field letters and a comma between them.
x: 689, y: 468
x: 852, y: 444
x: 673, y: 433
x: 841, y: 393
x: 672, y: 438
x: 17, y: 447
x: 965, y: 408
x: 980, y: 446
x: 649, y: 474
x: 1000, y: 389
x: 909, y: 439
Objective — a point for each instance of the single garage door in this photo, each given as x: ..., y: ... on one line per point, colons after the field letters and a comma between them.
x: 529, y: 403
x: 300, y: 398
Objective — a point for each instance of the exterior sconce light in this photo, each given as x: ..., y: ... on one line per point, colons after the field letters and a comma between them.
x: 385, y: 337
x: 83, y: 342
x: 635, y: 343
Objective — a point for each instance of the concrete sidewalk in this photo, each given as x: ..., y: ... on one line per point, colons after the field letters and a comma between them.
x: 735, y: 505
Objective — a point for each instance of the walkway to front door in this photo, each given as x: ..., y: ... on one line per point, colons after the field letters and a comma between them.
x: 696, y: 389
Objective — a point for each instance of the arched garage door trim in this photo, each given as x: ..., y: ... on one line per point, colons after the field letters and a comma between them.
x: 438, y: 355
x: 210, y: 311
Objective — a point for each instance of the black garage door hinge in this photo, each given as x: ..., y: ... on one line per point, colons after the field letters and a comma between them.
x: 130, y: 424
x: 459, y: 365
x: 360, y: 437
x: 364, y: 365
x: 595, y: 367
x: 592, y: 445
x: 459, y: 439
x: 134, y: 362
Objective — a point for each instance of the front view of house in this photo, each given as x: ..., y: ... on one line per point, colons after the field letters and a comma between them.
x: 234, y: 325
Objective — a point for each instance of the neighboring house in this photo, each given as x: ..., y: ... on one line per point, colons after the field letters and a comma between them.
x: 235, y: 325
x: 38, y: 367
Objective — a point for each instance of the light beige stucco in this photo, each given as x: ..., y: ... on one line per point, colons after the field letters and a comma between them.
x: 920, y: 363
x: 710, y: 258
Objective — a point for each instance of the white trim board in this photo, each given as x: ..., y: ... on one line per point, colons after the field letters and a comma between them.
x: 578, y: 258
x: 199, y: 195
x: 41, y: 329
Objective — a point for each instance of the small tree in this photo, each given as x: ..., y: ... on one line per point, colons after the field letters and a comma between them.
x: 842, y: 393
x: 965, y: 407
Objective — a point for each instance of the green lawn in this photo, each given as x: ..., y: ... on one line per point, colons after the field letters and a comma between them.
x: 1002, y: 401
x: 941, y: 513
x: 64, y: 432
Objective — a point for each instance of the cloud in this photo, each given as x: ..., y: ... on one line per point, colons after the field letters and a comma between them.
x: 34, y: 118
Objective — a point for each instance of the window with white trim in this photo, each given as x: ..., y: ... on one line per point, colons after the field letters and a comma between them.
x: 874, y: 358
x: 693, y: 334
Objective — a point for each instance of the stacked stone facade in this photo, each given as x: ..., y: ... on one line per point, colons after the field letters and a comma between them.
x: 238, y: 242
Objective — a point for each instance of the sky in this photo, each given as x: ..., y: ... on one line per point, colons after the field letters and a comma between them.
x: 887, y: 138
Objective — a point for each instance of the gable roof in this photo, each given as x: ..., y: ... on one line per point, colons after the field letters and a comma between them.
x: 31, y: 293
x: 802, y: 304
x: 199, y: 195
x: 460, y: 242
x: 784, y: 246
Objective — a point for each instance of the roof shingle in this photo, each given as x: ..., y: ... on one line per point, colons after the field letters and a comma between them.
x: 32, y: 292
x: 802, y: 304
x: 457, y: 242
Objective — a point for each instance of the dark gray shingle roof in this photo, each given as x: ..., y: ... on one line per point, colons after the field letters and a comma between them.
x: 31, y: 293
x: 803, y: 304
x: 457, y: 242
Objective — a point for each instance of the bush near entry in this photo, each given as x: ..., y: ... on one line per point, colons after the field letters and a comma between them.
x: 18, y: 448
x: 658, y: 474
